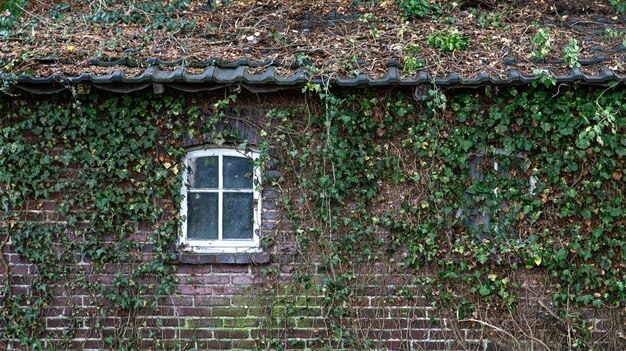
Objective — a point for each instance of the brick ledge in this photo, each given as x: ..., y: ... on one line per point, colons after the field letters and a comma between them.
x: 221, y: 258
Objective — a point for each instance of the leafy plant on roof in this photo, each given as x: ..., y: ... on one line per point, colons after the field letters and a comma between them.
x: 425, y: 8
x: 11, y: 10
x: 14, y: 6
x: 495, y: 19
x: 616, y: 34
x: 411, y: 62
x: 215, y: 5
x: 571, y: 54
x: 448, y: 41
x: 163, y: 15
x: 365, y: 2
x: 545, y: 78
x: 620, y: 5
x: 543, y: 43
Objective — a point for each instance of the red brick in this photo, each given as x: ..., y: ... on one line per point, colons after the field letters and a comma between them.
x: 211, y: 301
x: 215, y: 344
x: 196, y: 333
x: 58, y: 322
x: 242, y: 280
x: 227, y: 290
x: 176, y: 300
x: 194, y: 312
x: 53, y: 311
x: 20, y: 270
x: 86, y: 344
x: 230, y: 268
x: 244, y: 344
x: 194, y: 290
x: 159, y: 333
x: 231, y: 334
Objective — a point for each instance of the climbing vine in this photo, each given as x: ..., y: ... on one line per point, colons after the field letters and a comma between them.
x: 475, y: 201
x: 110, y: 164
x: 481, y: 190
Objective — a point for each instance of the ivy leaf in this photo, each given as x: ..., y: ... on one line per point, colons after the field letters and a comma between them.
x: 482, y: 258
x: 561, y: 255
x: 140, y: 130
x: 582, y: 141
x: 484, y: 291
x: 501, y: 128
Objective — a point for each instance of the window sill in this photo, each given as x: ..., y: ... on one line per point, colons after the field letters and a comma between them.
x: 221, y: 258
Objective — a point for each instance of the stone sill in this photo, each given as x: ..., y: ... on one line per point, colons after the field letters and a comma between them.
x: 221, y: 258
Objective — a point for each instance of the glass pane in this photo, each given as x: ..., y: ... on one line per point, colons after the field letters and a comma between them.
x: 238, y: 216
x: 479, y: 167
x: 202, y: 216
x: 237, y: 172
x: 202, y: 172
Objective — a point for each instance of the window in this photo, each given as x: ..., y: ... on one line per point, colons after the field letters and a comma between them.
x: 221, y: 204
x: 486, y: 204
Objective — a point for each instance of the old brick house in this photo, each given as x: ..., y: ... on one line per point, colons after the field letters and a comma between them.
x: 157, y: 202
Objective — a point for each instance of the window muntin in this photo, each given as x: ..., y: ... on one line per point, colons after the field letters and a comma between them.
x: 483, y: 198
x: 221, y: 204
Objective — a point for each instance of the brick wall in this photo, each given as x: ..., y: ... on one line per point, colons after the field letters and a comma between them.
x: 240, y: 301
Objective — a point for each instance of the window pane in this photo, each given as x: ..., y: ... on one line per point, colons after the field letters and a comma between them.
x: 237, y: 172
x: 203, y: 172
x: 202, y: 216
x: 238, y: 216
x: 479, y: 166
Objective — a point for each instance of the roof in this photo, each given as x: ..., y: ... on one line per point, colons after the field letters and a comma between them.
x: 265, y: 46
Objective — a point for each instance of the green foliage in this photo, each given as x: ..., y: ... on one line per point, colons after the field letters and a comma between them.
x: 420, y: 8
x: 614, y: 34
x: 11, y: 10
x: 479, y: 187
x: 486, y: 19
x: 365, y: 2
x: 110, y: 162
x: 425, y: 8
x: 448, y: 41
x: 546, y: 78
x: 386, y: 182
x: 411, y: 62
x: 543, y: 42
x: 620, y: 5
x: 15, y: 7
x: 571, y: 54
x: 162, y: 14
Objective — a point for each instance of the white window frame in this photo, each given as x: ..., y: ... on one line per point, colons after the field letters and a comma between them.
x: 220, y: 245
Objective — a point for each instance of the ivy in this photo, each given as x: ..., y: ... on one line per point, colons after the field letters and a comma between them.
x: 482, y: 188
x: 163, y: 15
x: 479, y: 190
x: 109, y: 162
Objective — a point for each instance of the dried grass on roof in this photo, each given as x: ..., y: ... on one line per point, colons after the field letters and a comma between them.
x: 280, y: 30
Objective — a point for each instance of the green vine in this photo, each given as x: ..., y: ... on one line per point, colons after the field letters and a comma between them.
x: 483, y: 190
x: 476, y: 202
x: 111, y: 163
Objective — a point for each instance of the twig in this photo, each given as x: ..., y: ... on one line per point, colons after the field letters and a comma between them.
x: 493, y: 327
x: 5, y: 266
x: 39, y: 18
